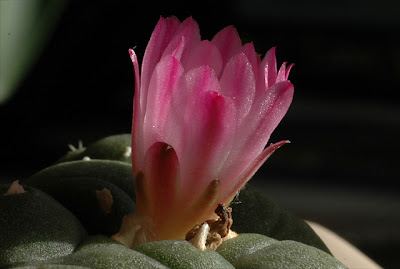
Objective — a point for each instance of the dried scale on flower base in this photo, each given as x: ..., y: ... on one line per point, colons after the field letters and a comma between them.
x: 203, y: 114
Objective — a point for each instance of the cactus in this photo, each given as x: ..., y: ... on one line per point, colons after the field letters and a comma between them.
x: 64, y: 201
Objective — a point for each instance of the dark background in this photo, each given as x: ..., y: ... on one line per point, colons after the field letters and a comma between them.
x: 341, y: 168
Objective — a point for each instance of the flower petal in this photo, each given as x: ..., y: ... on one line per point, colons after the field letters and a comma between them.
x: 136, y: 116
x: 209, y: 135
x: 161, y: 179
x: 252, y: 56
x: 228, y: 43
x: 198, y: 80
x: 288, y: 71
x: 159, y: 122
x: 238, y: 82
x: 275, y: 104
x: 271, y: 109
x: 282, y: 73
x: 189, y: 31
x: 205, y: 53
x: 263, y: 118
x: 251, y: 170
x: 268, y: 70
x: 159, y: 40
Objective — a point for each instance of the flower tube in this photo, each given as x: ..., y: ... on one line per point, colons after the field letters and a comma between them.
x: 203, y: 113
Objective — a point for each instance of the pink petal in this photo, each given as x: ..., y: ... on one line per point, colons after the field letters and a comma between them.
x: 136, y: 117
x: 268, y: 70
x: 198, y: 80
x: 159, y: 123
x: 161, y: 177
x: 178, y: 51
x: 277, y: 100
x: 135, y: 69
x: 252, y: 56
x: 281, y: 73
x: 205, y: 53
x: 238, y: 82
x: 256, y: 130
x: 275, y: 103
x: 251, y: 170
x: 159, y: 40
x: 228, y: 43
x: 189, y: 31
x: 288, y: 71
x: 209, y: 135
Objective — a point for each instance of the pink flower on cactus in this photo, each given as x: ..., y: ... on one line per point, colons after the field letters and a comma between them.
x: 203, y: 113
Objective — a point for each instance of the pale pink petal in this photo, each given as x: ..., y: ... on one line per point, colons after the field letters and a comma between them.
x: 205, y: 53
x: 252, y: 56
x: 275, y: 103
x: 198, y: 80
x: 238, y: 83
x: 228, y: 43
x: 159, y: 123
x: 159, y: 40
x: 135, y: 69
x: 161, y: 177
x: 209, y: 135
x: 189, y: 31
x: 192, y: 86
x: 251, y: 170
x: 281, y: 73
x: 288, y: 71
x: 136, y: 117
x: 257, y: 128
x: 268, y: 70
x: 178, y: 50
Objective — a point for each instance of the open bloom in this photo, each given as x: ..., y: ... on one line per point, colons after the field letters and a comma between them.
x: 203, y: 114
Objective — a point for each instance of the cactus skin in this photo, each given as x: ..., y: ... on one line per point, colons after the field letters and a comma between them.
x: 74, y: 182
x: 242, y: 245
x: 100, y: 252
x: 51, y: 266
x: 180, y: 254
x: 35, y: 227
x: 288, y: 255
x: 115, y: 147
x: 115, y: 172
x: 248, y: 251
x: 75, y: 185
x: 256, y: 213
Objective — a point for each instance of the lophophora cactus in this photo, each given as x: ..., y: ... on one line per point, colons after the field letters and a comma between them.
x: 67, y: 212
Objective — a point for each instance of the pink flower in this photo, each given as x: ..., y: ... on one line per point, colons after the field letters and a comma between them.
x: 203, y: 113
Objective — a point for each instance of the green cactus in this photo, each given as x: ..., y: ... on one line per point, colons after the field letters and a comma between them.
x: 93, y: 187
x: 35, y: 227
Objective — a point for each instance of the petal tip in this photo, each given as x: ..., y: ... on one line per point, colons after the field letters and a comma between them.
x: 132, y: 54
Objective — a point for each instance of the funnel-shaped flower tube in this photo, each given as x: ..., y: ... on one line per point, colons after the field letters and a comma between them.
x: 203, y: 113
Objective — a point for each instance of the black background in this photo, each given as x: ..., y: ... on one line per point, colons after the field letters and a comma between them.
x: 341, y: 168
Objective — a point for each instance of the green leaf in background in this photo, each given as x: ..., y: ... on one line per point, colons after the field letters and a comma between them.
x: 25, y: 26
